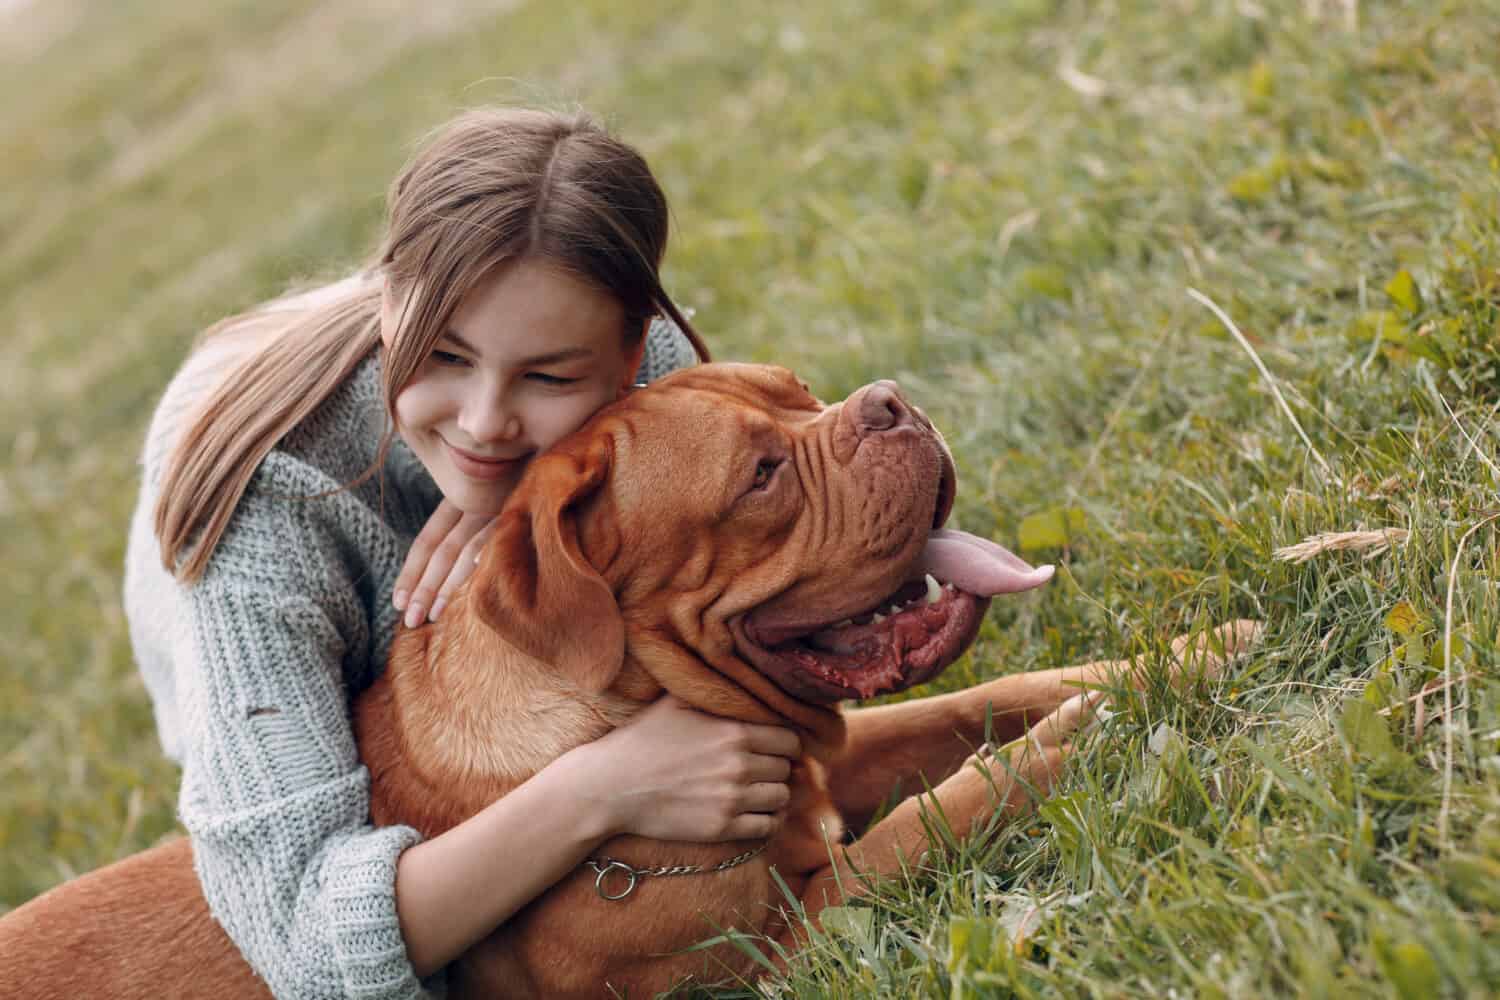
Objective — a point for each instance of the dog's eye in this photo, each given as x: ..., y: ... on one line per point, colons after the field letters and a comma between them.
x: 764, y: 471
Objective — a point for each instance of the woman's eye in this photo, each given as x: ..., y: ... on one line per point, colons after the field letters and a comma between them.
x: 764, y: 471
x: 447, y: 358
x: 546, y: 379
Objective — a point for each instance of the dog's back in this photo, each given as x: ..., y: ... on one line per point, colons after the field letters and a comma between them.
x: 138, y: 929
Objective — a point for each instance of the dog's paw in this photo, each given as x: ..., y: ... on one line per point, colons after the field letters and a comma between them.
x: 1072, y: 717
x: 1053, y: 732
x: 1208, y: 654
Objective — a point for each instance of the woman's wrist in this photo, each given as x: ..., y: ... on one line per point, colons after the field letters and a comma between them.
x: 582, y: 776
x: 459, y: 886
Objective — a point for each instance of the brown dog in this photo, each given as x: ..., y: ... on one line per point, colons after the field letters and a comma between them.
x: 724, y: 537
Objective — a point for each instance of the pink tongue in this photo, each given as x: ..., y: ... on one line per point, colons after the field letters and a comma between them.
x: 978, y: 565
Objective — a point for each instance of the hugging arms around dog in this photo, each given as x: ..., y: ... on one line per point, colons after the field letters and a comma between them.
x: 738, y: 614
x: 510, y: 298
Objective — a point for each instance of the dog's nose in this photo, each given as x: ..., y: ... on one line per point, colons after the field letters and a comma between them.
x: 880, y: 408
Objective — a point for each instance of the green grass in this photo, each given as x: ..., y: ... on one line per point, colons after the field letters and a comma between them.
x: 1002, y: 205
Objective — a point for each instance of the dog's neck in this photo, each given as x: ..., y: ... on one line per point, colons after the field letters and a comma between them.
x: 465, y: 718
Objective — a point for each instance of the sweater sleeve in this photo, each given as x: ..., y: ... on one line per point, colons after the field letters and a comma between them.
x: 273, y: 793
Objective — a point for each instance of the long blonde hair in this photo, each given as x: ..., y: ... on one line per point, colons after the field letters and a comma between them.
x: 492, y: 185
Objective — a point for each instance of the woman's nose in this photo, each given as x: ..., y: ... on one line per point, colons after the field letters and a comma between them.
x: 485, y: 417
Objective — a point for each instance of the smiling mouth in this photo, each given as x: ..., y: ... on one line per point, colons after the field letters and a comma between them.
x: 906, y: 638
x: 483, y: 468
x: 911, y: 636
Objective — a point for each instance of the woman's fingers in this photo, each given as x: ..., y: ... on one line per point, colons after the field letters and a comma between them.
x: 441, y: 558
x: 765, y: 797
x: 776, y: 740
x: 752, y: 826
x: 676, y: 773
x: 419, y: 555
x: 424, y: 597
x: 768, y: 767
x: 463, y: 566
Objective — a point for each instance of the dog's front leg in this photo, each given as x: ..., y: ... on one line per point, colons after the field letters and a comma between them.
x: 917, y: 744
x: 968, y: 800
x: 979, y: 785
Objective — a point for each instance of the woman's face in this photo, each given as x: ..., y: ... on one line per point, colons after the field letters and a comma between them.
x: 529, y: 355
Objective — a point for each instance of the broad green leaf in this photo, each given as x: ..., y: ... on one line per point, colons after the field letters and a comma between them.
x: 1415, y: 651
x: 1380, y: 323
x: 853, y: 923
x: 1366, y: 731
x: 1404, y: 292
x: 1381, y: 691
x: 1397, y: 342
x: 1424, y: 344
x: 1404, y: 620
x: 1051, y: 529
x: 1461, y: 638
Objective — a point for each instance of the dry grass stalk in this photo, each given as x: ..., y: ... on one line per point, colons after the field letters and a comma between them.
x: 1371, y: 543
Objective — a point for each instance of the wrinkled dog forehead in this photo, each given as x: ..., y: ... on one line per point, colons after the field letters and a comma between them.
x: 696, y: 418
x: 696, y: 444
x: 685, y: 449
x: 765, y: 386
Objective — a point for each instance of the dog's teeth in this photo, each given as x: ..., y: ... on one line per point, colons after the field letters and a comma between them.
x: 844, y: 624
x: 934, y: 590
x: 895, y: 609
x: 877, y: 619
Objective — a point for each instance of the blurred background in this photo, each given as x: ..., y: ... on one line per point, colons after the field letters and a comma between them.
x: 999, y: 204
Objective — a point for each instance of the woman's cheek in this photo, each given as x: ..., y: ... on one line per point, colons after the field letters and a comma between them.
x: 419, y: 405
x: 567, y: 415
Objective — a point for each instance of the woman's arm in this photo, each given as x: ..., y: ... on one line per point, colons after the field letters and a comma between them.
x: 673, y: 773
x: 253, y: 665
x: 273, y: 794
x: 456, y: 888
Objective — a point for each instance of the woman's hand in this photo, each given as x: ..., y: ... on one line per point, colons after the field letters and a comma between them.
x: 674, y: 773
x: 441, y: 558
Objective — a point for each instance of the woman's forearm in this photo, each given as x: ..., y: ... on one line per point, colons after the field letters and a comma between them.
x: 456, y: 888
x: 670, y: 773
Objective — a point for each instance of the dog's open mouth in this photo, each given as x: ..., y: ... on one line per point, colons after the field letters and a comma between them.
x: 905, y: 639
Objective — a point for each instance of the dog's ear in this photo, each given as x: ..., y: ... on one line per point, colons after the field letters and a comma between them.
x: 534, y: 585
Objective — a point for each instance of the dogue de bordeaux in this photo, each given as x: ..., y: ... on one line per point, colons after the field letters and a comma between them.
x: 723, y: 536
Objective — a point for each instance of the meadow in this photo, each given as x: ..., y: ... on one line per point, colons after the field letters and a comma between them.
x: 1184, y: 283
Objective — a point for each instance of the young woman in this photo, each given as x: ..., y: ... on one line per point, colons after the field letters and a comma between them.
x: 272, y: 553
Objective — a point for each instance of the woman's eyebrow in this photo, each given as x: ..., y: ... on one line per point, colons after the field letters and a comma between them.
x: 550, y: 358
x: 567, y: 354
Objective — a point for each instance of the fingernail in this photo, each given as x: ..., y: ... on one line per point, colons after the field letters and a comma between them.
x: 414, y: 615
x: 399, y: 599
x: 437, y: 609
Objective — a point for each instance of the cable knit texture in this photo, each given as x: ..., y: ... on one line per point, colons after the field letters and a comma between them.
x: 252, y: 670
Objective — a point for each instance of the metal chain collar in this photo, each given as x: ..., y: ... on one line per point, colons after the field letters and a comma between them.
x: 604, y: 867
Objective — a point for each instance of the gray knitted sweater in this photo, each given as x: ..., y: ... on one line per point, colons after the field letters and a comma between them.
x: 252, y: 669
